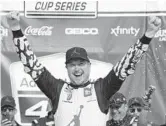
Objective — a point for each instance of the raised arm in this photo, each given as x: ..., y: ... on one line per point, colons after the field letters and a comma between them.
x: 126, y: 66
x: 25, y: 53
x: 31, y: 64
x: 47, y: 83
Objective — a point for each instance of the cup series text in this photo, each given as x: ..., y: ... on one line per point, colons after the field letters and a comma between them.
x: 60, y: 6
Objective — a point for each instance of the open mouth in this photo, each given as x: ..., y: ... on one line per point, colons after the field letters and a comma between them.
x: 77, y: 75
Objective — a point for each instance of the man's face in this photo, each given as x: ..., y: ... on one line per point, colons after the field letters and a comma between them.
x: 119, y: 113
x: 78, y: 71
x: 135, y: 110
x: 8, y: 112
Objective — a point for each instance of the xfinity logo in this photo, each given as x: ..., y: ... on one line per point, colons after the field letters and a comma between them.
x: 81, y: 31
x: 121, y: 31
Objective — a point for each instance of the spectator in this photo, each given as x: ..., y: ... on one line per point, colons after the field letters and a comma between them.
x: 8, y: 111
x: 136, y: 105
x: 118, y: 111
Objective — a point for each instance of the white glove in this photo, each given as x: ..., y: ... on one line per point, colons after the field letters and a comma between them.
x: 13, y: 19
x: 153, y: 25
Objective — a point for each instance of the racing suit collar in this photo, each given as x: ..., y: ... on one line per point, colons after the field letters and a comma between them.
x: 79, y: 86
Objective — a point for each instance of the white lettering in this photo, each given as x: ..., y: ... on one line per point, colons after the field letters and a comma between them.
x: 43, y: 31
x: 81, y: 31
x: 33, y: 110
x: 161, y: 34
x: 121, y: 31
x: 26, y: 83
x: 162, y: 38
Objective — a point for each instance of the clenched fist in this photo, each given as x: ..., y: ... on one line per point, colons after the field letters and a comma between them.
x: 13, y: 19
x: 153, y: 25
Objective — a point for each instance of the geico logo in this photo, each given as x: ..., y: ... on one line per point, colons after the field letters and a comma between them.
x: 3, y: 31
x: 81, y: 31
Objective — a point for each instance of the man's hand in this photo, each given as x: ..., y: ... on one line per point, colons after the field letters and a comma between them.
x: 153, y: 25
x: 13, y: 19
x: 6, y: 122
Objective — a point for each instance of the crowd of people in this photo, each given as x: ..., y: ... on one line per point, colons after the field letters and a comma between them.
x: 130, y: 113
x: 121, y: 112
x: 82, y: 102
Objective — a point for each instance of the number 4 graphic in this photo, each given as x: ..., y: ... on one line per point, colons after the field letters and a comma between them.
x: 32, y: 111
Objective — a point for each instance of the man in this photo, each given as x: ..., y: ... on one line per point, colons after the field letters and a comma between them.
x: 123, y: 114
x: 140, y: 106
x: 8, y: 111
x: 118, y: 111
x: 135, y: 108
x: 136, y: 105
x: 80, y: 95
